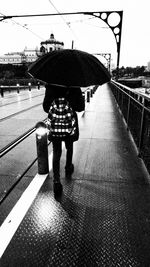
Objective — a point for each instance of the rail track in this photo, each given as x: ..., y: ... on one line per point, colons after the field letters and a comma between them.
x: 19, y: 112
x: 7, y: 149
x: 6, y: 190
x: 14, y: 102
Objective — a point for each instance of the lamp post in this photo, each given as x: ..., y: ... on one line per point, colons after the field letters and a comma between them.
x: 18, y: 88
x: 29, y: 84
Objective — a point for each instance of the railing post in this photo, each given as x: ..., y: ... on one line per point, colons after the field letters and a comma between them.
x: 91, y: 92
x: 121, y: 101
x: 141, y: 130
x: 88, y: 96
x: 42, y: 147
x: 128, y: 111
x: 117, y: 94
x: 83, y: 95
x: 93, y: 89
x: 38, y: 85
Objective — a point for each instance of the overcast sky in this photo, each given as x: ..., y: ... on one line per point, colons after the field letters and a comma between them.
x: 88, y: 33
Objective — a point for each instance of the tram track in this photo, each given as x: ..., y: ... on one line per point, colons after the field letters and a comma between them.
x: 19, y: 112
x: 6, y: 193
x: 16, y: 141
x: 19, y: 177
x: 6, y: 190
x: 8, y: 148
x: 7, y: 104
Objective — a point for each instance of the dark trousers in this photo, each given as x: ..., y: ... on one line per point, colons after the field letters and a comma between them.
x: 57, y: 151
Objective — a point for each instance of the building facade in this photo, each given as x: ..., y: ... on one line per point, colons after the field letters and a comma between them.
x: 11, y: 58
x: 30, y: 55
x: 17, y: 58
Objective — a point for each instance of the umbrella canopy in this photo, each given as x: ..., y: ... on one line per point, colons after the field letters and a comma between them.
x: 70, y: 67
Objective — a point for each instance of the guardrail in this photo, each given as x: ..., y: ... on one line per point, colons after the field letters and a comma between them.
x: 135, y: 108
x: 17, y: 88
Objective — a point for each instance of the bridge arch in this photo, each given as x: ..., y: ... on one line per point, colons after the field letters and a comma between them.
x: 114, y: 25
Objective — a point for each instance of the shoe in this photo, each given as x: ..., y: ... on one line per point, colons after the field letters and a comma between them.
x: 57, y: 187
x: 69, y: 170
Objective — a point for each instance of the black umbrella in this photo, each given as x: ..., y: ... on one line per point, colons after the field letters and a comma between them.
x: 70, y: 67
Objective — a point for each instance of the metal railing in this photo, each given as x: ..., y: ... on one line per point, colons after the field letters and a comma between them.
x: 135, y: 107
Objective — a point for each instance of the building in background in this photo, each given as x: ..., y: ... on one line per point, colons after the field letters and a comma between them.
x: 12, y: 58
x: 17, y: 58
x: 50, y: 45
x: 30, y: 55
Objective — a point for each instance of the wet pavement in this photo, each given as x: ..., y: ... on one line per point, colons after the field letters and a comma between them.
x: 103, y: 215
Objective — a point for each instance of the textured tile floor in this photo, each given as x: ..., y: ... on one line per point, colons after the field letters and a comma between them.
x: 103, y: 216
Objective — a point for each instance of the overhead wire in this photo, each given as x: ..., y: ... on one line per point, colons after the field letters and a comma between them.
x: 77, y: 21
x: 24, y: 26
x: 55, y: 23
x: 67, y: 23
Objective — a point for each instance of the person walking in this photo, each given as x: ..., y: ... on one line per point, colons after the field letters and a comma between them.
x: 61, y: 102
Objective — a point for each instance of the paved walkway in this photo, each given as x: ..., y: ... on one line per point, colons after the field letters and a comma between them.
x: 103, y: 217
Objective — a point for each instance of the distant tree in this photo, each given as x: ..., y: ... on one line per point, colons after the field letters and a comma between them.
x: 138, y: 71
x: 8, y: 71
x: 147, y: 73
x: 20, y: 71
x: 8, y: 74
x: 129, y: 72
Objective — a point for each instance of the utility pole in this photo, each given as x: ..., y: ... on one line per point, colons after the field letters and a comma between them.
x: 72, y: 44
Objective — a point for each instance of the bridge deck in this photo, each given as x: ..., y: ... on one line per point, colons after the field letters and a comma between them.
x: 103, y: 216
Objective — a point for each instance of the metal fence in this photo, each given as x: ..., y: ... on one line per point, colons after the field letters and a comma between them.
x: 135, y: 107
